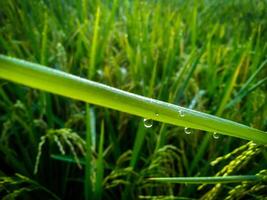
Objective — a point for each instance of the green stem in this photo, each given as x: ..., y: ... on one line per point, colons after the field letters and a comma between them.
x: 88, y: 189
x: 207, y: 180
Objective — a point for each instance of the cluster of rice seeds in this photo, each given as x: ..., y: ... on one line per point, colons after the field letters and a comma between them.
x: 40, y: 146
x: 11, y: 187
x: 246, y: 153
x: 15, y: 186
x: 118, y: 175
x: 62, y: 137
x: 165, y: 162
x: 241, y: 160
x: 246, y: 188
x: 229, y: 155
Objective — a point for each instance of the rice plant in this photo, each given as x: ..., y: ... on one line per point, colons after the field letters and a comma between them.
x: 133, y: 99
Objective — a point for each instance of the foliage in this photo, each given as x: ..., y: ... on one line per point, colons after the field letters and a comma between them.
x: 208, y: 56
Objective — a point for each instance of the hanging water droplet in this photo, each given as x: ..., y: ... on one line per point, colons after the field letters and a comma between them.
x: 216, y: 135
x: 148, y: 123
x: 187, y: 130
x: 181, y: 113
x: 157, y: 114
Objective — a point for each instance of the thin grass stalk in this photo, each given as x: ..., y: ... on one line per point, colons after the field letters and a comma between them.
x: 100, y: 165
x: 208, y: 180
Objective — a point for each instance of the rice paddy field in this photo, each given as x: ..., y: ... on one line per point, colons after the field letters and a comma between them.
x: 133, y: 99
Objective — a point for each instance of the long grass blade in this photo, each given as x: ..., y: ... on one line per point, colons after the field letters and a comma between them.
x: 68, y: 85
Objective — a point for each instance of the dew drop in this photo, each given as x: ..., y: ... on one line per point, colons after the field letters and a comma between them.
x: 216, y: 135
x: 157, y: 114
x: 148, y: 123
x: 187, y: 130
x: 181, y: 113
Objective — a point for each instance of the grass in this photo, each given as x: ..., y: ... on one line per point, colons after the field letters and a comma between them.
x: 41, y: 77
x: 177, y: 56
x: 207, y: 180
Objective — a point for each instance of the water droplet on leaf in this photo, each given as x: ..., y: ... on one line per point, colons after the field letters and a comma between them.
x: 187, y: 130
x: 181, y: 113
x: 148, y: 123
x: 216, y: 135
